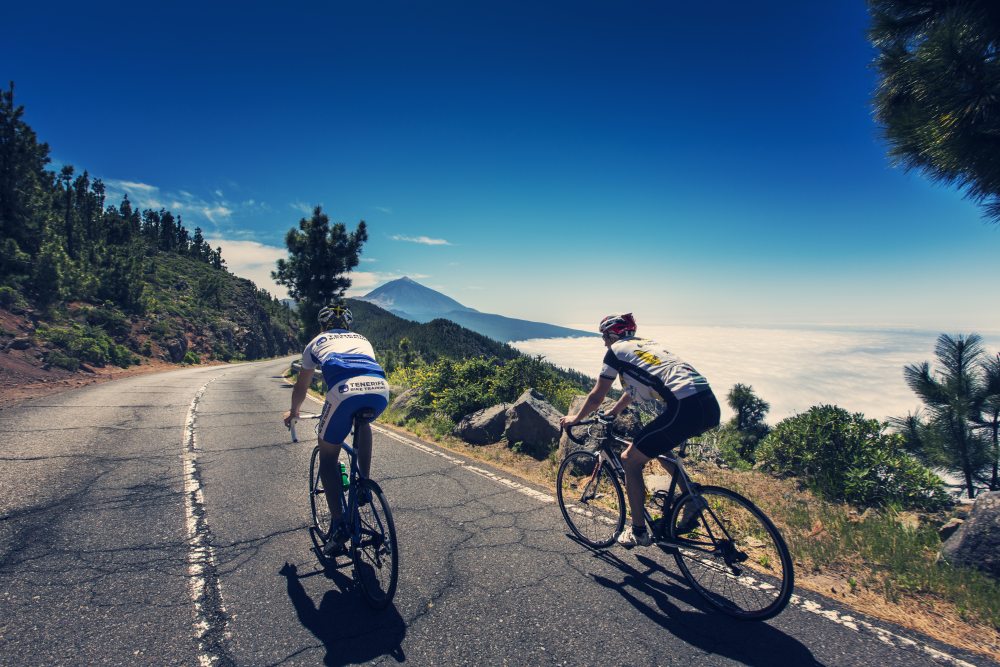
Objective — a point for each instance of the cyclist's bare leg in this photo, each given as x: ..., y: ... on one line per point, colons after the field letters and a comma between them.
x: 634, y: 461
x: 363, y: 445
x: 329, y: 472
x: 672, y: 469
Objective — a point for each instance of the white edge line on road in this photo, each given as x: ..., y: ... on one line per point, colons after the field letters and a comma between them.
x: 844, y: 620
x: 201, y: 554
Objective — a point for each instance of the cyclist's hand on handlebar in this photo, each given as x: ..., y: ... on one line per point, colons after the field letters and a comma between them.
x: 289, y: 417
x: 569, y: 420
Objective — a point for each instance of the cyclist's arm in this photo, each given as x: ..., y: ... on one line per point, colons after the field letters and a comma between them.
x: 299, y: 392
x: 593, y: 401
x: 622, y: 403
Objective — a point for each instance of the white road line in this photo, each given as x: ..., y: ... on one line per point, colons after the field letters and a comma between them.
x: 203, y: 582
x: 844, y: 620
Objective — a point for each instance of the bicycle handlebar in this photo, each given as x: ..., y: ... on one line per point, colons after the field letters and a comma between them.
x: 597, y: 418
x: 294, y: 421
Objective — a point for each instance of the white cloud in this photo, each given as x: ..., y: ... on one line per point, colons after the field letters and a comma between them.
x: 183, y: 203
x: 368, y: 260
x: 301, y: 207
x: 253, y: 260
x: 130, y: 186
x: 861, y: 370
x: 384, y: 209
x: 218, y: 193
x: 423, y: 240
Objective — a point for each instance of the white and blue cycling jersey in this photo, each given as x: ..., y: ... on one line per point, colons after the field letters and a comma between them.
x: 340, y: 354
x: 354, y: 380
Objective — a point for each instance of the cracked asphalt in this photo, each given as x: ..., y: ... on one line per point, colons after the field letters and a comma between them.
x: 94, y: 549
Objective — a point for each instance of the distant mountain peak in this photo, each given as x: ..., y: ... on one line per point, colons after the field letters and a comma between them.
x: 410, y: 300
x: 407, y: 295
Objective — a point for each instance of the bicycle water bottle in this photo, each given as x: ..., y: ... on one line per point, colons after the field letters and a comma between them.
x: 344, y: 477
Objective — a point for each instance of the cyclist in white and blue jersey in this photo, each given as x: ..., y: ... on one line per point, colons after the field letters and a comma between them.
x: 354, y: 382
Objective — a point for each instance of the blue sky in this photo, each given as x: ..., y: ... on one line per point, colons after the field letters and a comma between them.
x: 553, y: 161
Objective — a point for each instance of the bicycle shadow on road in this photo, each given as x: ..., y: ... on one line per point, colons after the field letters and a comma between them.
x: 350, y: 630
x: 750, y: 643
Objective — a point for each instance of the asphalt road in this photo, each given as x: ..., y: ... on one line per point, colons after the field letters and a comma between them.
x: 131, y: 533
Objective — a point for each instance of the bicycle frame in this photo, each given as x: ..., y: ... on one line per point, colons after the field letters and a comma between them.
x: 350, y: 506
x: 678, y: 478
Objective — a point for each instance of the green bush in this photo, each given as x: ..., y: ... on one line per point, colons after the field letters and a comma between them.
x: 191, y: 357
x: 11, y: 299
x: 57, y: 358
x: 457, y: 388
x: 846, y: 457
x: 112, y: 320
x: 85, y: 343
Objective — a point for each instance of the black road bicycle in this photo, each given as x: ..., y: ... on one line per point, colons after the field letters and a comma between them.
x: 373, y: 548
x: 728, y: 550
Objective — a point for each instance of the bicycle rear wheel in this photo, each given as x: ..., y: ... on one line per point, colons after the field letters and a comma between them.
x: 590, y: 498
x: 732, y: 554
x: 374, y: 549
x: 317, y: 498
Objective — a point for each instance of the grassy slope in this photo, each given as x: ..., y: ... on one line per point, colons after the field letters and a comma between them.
x: 192, y: 308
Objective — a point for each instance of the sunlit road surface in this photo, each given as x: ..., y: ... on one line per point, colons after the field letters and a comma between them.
x: 163, y: 520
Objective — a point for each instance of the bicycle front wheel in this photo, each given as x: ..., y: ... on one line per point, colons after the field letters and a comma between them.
x: 590, y: 498
x: 317, y: 498
x: 732, y: 554
x: 376, y: 556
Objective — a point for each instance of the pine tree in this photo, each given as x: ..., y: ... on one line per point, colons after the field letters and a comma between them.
x: 319, y: 258
x: 937, y: 99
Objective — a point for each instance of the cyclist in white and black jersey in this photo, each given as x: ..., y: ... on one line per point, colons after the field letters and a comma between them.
x: 354, y: 382
x: 649, y: 374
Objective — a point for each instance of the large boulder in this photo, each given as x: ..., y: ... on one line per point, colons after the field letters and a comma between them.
x: 407, y: 405
x: 483, y: 427
x: 976, y: 543
x: 532, y: 424
x: 177, y: 348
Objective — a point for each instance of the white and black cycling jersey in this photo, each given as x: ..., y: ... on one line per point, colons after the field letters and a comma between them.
x: 341, y: 354
x: 650, y: 373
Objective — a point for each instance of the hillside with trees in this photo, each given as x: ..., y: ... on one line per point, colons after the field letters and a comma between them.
x: 87, y: 282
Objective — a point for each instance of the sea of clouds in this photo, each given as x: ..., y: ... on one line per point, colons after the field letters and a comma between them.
x: 859, y: 369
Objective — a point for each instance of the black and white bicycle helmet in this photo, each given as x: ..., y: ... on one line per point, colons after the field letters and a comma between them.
x: 335, y: 316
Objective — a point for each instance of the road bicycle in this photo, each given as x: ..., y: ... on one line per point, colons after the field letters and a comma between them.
x: 373, y: 548
x: 727, y: 548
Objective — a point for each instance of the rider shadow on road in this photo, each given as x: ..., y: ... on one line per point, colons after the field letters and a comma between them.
x: 712, y: 631
x: 351, y: 631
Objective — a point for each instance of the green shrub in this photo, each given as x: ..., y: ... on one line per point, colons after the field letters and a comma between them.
x: 11, y: 299
x: 113, y: 321
x: 57, y: 358
x: 457, y: 388
x: 85, y: 343
x: 191, y: 357
x: 846, y: 457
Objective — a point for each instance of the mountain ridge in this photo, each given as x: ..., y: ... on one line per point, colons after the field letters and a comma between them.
x: 408, y: 299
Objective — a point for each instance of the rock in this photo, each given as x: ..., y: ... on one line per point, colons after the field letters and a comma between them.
x: 976, y: 543
x: 20, y: 343
x: 483, y: 427
x: 532, y: 424
x: 406, y: 405
x: 176, y: 349
x: 949, y: 528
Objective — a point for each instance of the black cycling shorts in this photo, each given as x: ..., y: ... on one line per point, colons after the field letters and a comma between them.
x: 683, y: 419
